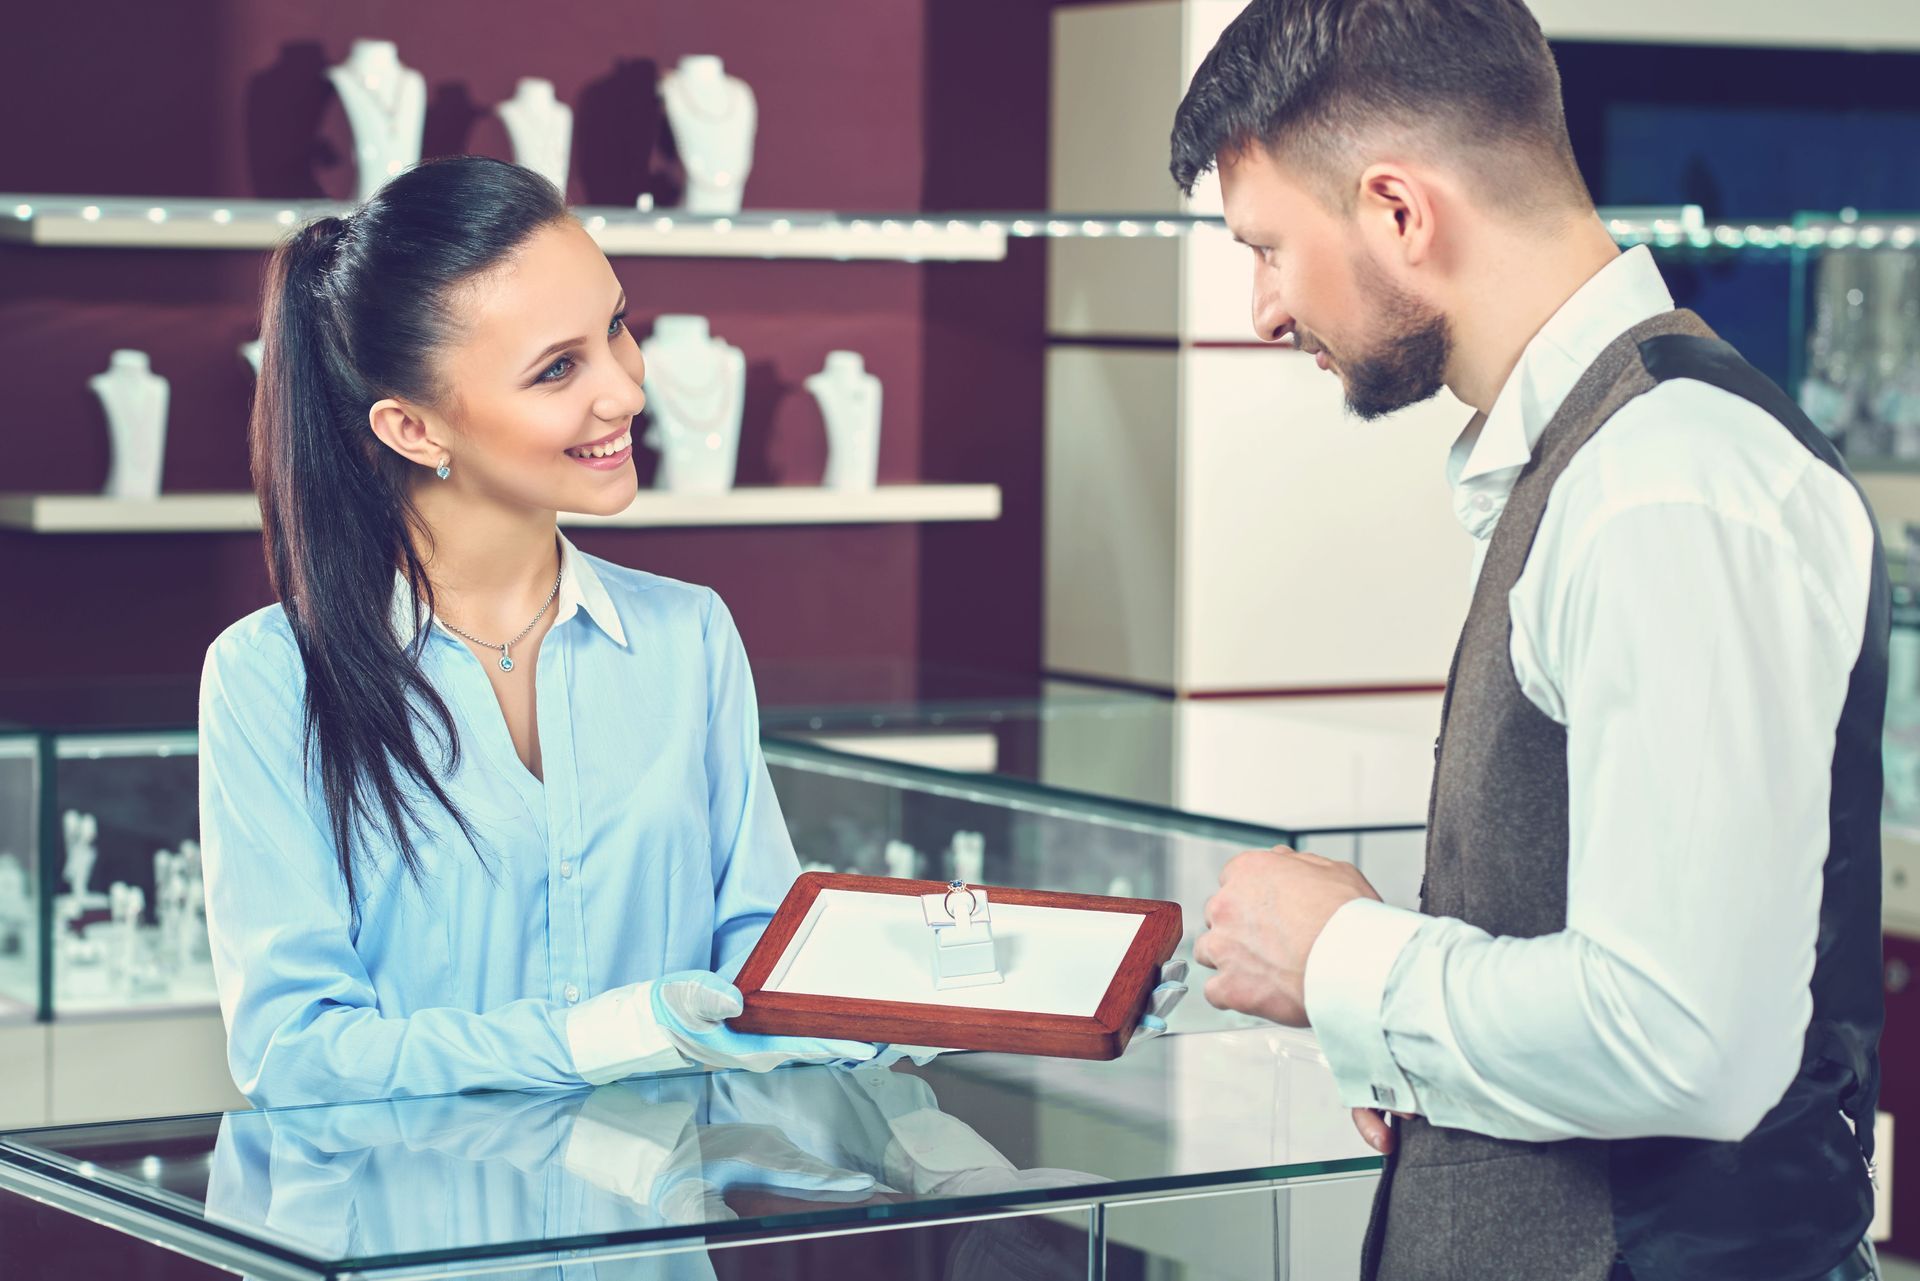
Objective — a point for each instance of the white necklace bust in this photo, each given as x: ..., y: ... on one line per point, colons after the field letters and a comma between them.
x: 135, y: 399
x: 849, y: 399
x: 696, y: 390
x: 714, y: 117
x: 541, y: 127
x: 386, y: 106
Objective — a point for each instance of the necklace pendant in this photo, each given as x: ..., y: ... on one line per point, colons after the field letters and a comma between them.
x: 506, y: 661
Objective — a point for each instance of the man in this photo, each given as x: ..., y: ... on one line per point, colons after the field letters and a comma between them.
x: 1632, y: 1032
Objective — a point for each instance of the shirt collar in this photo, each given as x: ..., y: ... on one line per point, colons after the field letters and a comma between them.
x: 580, y: 589
x: 1489, y: 454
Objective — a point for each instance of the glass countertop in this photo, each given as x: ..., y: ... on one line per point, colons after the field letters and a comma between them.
x: 1298, y: 764
x: 672, y: 1168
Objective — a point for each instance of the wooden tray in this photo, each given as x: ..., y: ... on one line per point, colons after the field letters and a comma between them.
x: 1080, y: 963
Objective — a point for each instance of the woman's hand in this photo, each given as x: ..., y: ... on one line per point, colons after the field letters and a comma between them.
x: 692, y: 1008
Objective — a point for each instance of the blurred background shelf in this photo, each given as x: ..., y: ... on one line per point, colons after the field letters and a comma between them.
x: 783, y: 505
x: 173, y: 222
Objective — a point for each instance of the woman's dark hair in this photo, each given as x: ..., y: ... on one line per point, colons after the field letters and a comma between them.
x: 1310, y: 77
x: 355, y: 310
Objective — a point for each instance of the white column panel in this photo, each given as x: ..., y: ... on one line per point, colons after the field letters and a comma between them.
x: 1114, y: 288
x: 1116, y: 84
x: 1309, y: 761
x: 1854, y: 24
x: 1112, y: 516
x: 23, y: 1070
x: 1319, y: 551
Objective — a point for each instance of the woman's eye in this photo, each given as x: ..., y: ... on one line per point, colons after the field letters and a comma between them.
x: 562, y: 364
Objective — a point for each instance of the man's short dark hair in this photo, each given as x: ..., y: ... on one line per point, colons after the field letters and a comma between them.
x: 1314, y: 80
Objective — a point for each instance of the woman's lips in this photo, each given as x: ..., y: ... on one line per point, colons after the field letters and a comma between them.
x: 603, y: 455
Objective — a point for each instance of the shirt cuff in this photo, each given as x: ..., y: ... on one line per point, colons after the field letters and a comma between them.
x: 1346, y: 989
x: 615, y: 1035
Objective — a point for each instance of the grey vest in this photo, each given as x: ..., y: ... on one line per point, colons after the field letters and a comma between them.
x: 1791, y: 1199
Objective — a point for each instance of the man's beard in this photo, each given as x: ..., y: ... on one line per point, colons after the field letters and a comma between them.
x: 1408, y: 364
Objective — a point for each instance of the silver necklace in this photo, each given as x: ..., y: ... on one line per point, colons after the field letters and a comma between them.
x: 506, y: 650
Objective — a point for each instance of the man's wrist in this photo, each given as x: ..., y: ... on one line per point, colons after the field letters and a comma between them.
x: 1345, y: 995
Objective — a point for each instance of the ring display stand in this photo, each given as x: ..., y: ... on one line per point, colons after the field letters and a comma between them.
x: 852, y: 957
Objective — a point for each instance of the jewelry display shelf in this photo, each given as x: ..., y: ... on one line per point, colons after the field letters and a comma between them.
x: 171, y: 222
x: 167, y: 222
x: 783, y: 505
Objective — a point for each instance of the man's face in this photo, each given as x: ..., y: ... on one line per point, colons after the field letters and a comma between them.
x: 1318, y: 281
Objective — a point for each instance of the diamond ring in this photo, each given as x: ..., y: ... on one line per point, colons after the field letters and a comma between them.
x: 958, y: 886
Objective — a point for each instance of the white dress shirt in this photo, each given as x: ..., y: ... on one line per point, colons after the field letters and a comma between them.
x: 1691, y: 611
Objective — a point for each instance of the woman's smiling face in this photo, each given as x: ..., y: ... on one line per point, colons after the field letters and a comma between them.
x: 544, y: 380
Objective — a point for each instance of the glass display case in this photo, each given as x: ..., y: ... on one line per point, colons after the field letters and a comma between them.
x: 1223, y: 1153
x: 1347, y: 778
x: 19, y: 876
x: 101, y: 907
x: 100, y: 887
x: 127, y: 917
x: 878, y: 817
x: 1901, y: 744
x: 1856, y: 305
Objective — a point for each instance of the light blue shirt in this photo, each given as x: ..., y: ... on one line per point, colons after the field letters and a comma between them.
x: 654, y: 845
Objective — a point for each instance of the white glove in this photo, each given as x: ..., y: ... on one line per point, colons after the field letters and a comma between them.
x: 692, y: 1008
x: 1171, y: 989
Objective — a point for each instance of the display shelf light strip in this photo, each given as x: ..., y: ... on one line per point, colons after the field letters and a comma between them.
x: 1679, y: 227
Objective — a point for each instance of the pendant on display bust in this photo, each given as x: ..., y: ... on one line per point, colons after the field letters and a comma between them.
x: 696, y: 391
x: 968, y: 852
x: 386, y: 104
x: 251, y: 351
x: 16, y: 913
x: 902, y: 860
x: 849, y: 399
x: 541, y: 127
x: 135, y: 399
x: 83, y: 833
x: 713, y: 116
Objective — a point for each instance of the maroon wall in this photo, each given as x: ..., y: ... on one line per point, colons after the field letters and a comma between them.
x: 865, y: 104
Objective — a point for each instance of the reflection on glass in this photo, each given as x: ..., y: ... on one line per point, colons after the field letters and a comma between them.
x: 1862, y: 350
x: 1901, y: 744
x: 650, y: 1166
x: 19, y: 878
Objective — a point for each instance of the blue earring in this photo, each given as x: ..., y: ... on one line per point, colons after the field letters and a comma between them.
x: 443, y: 470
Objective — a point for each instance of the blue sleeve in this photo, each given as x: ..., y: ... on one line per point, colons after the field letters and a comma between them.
x: 303, y: 1018
x: 753, y: 860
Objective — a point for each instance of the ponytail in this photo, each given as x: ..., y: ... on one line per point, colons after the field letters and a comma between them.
x: 354, y: 310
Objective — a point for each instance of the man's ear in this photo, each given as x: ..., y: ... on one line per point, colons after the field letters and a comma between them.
x: 1395, y: 210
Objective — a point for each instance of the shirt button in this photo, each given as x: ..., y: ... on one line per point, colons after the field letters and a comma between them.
x: 566, y: 868
x: 1483, y: 503
x: 573, y: 994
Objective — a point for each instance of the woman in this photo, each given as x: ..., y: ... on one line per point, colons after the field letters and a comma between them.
x: 477, y: 810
